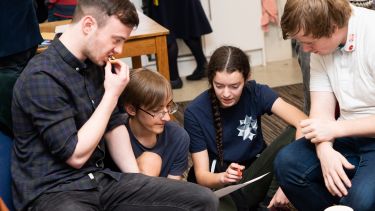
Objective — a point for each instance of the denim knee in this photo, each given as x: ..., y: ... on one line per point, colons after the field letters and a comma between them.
x: 360, y: 198
x: 295, y: 162
x: 283, y: 164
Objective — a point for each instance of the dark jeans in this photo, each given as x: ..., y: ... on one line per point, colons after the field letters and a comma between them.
x: 10, y: 68
x: 133, y: 192
x: 299, y: 174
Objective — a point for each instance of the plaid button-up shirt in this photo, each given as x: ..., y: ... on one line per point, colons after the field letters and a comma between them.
x: 53, y: 98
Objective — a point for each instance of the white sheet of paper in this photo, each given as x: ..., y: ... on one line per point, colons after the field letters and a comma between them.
x: 229, y: 189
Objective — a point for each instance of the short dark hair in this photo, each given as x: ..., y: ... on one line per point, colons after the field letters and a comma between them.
x: 124, y: 10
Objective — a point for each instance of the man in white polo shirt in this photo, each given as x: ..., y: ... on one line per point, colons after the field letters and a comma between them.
x: 334, y: 163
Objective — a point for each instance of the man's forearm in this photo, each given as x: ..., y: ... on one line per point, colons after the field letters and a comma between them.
x: 92, y: 131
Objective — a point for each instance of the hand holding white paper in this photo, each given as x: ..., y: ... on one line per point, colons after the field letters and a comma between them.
x: 229, y: 189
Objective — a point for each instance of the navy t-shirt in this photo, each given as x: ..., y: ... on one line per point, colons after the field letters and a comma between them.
x: 172, y: 146
x: 242, y: 132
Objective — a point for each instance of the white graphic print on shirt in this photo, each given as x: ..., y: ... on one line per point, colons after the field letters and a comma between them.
x: 248, y: 128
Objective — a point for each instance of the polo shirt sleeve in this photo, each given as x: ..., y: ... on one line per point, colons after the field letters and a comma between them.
x: 319, y: 80
x: 180, y: 163
x: 47, y: 103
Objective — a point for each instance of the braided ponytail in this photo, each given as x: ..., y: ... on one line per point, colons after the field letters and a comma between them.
x: 217, y: 125
x: 229, y: 59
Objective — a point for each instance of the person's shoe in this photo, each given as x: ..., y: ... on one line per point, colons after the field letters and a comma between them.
x: 176, y: 84
x: 197, y: 75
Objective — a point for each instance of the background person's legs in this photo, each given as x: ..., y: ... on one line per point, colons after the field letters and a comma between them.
x: 174, y: 75
x: 195, y: 46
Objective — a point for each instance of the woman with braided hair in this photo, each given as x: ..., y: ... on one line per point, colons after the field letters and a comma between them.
x: 224, y: 125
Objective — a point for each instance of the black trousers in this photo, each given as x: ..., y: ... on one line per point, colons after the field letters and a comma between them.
x: 195, y: 46
x: 135, y: 192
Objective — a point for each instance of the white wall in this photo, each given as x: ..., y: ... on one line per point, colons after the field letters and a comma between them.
x: 276, y: 48
x: 235, y: 22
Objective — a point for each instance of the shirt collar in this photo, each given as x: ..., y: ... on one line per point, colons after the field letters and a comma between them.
x: 67, y: 56
x: 351, y: 39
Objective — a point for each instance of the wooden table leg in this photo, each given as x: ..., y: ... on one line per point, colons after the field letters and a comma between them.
x: 136, y: 62
x: 162, y: 56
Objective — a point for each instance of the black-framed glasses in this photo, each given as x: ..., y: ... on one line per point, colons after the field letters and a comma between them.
x: 172, y: 108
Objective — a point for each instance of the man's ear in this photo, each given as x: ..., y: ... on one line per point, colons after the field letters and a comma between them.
x: 88, y: 24
x: 130, y: 109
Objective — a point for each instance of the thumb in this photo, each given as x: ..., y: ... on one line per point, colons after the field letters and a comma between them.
x: 107, y: 68
x: 270, y: 205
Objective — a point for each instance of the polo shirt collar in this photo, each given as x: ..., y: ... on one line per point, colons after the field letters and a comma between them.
x: 351, y: 39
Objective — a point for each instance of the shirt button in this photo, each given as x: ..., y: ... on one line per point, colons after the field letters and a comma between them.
x: 93, y: 102
x: 77, y: 68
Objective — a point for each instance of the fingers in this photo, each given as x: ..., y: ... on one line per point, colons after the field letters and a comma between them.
x: 119, y: 67
x: 306, y: 130
x: 346, y: 163
x: 338, y: 186
x: 233, y: 173
x: 107, y: 68
x: 235, y: 169
x: 227, y: 178
x: 123, y: 71
x: 337, y: 182
x: 278, y: 200
x: 272, y: 202
x: 343, y: 175
x: 305, y: 123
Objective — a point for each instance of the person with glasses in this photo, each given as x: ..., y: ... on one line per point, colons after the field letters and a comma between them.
x: 226, y: 141
x: 160, y: 145
x: 65, y: 114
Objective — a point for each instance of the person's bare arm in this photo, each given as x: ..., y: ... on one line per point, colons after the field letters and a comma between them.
x: 321, y: 127
x: 118, y: 143
x: 289, y: 114
x: 214, y: 180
